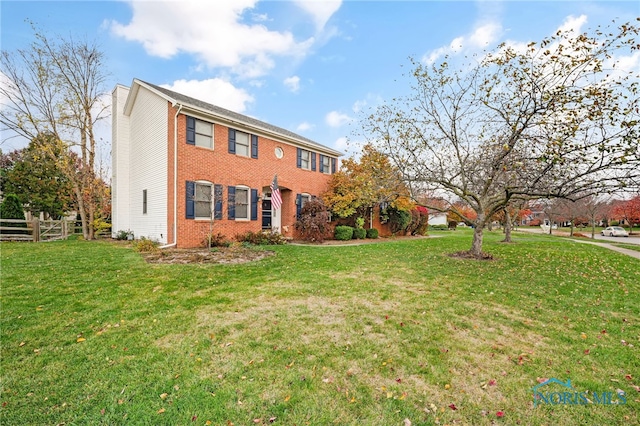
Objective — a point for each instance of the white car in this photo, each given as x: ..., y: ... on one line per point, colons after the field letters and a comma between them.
x: 614, y: 231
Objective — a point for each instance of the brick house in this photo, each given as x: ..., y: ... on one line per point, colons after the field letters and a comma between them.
x: 177, y: 160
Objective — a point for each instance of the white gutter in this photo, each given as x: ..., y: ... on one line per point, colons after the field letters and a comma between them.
x: 175, y: 178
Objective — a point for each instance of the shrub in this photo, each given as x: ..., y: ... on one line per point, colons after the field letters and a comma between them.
x: 216, y: 240
x: 399, y: 220
x: 359, y: 233
x: 313, y: 222
x: 144, y: 245
x: 372, y: 233
x: 441, y: 227
x: 614, y: 223
x: 343, y: 233
x: 419, y: 221
x: 263, y: 238
x: 11, y: 208
x: 124, y: 235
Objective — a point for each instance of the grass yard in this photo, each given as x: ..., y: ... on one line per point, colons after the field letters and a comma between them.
x: 356, y: 335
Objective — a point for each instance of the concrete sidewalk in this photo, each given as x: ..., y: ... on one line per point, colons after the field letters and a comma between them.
x: 628, y: 252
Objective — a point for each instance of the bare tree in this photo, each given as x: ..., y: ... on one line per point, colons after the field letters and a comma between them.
x: 56, y: 85
x: 554, y: 119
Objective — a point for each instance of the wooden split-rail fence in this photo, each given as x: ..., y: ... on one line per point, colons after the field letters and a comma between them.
x: 34, y: 230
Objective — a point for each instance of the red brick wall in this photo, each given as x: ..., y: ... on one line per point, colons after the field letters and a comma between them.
x: 219, y: 167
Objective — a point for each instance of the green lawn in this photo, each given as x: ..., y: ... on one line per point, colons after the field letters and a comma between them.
x: 360, y: 335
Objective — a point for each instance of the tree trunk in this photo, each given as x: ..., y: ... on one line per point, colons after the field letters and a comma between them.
x: 507, y: 227
x: 476, y: 245
x: 571, y: 232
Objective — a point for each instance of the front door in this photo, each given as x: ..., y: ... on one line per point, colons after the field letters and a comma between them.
x: 266, y: 214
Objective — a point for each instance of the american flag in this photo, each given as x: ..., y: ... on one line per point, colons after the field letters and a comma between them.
x: 276, y: 198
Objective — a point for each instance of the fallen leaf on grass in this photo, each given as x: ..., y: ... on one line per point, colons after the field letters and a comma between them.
x: 500, y: 414
x: 628, y: 377
x: 453, y: 407
x: 22, y: 344
x: 162, y: 410
x: 194, y: 418
x: 492, y: 382
x: 287, y: 398
x: 407, y: 422
x: 164, y: 395
x: 256, y: 421
x: 272, y: 419
x: 80, y: 339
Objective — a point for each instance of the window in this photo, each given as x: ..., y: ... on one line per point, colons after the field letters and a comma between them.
x: 199, y: 133
x: 242, y: 144
x: 144, y: 201
x: 203, y: 200
x: 301, y: 200
x: 242, y: 203
x: 325, y: 164
x: 199, y: 198
x: 304, y: 159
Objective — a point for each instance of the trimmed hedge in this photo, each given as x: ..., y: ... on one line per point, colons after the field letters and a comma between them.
x: 359, y: 233
x: 343, y: 233
x: 372, y: 233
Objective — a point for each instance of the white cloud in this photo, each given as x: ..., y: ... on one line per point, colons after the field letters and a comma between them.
x: 371, y: 100
x: 304, y: 126
x: 336, y: 119
x: 573, y: 23
x: 214, y: 32
x: 320, y: 10
x: 215, y: 91
x: 341, y: 144
x: 481, y: 37
x: 292, y: 83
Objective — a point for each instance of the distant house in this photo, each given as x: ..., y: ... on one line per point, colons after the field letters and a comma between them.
x: 437, y: 218
x: 178, y: 160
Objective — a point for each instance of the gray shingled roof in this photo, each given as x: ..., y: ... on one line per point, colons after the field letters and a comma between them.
x: 249, y: 121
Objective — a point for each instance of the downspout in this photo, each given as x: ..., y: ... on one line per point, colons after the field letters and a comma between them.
x: 175, y: 178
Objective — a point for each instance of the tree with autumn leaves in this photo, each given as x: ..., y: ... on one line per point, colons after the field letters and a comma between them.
x: 55, y: 87
x: 554, y: 119
x: 627, y: 210
x: 363, y: 184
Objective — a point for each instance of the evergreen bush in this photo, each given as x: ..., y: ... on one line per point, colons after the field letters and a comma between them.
x: 343, y: 233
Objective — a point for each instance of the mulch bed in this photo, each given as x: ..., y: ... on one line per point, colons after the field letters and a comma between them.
x: 217, y: 255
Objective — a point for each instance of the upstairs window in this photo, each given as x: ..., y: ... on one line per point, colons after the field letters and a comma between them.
x: 199, y: 133
x: 306, y: 159
x: 325, y: 164
x: 243, y: 144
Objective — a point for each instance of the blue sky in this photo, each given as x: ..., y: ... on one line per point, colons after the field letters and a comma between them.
x: 310, y: 66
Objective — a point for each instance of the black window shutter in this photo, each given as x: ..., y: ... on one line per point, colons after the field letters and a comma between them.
x: 217, y: 199
x: 313, y: 161
x: 254, y: 146
x: 191, y: 130
x: 299, y: 158
x: 322, y: 170
x: 191, y: 200
x: 298, y: 205
x: 232, y: 141
x: 333, y: 165
x: 231, y: 200
x: 254, y: 204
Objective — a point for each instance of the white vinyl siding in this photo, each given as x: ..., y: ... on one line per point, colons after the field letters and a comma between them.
x: 119, y: 162
x: 148, y: 165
